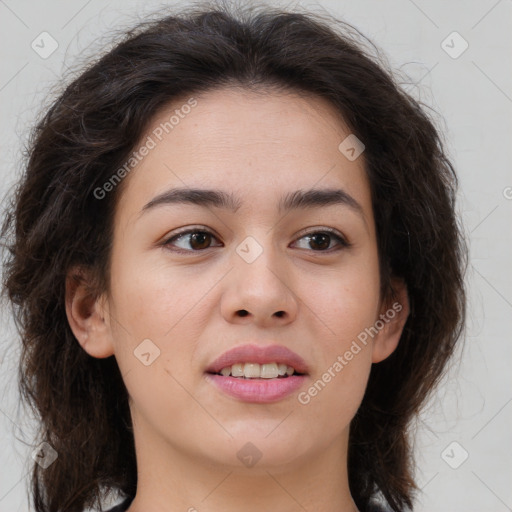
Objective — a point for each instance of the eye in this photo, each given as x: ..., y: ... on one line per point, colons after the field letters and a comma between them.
x: 196, y: 240
x: 200, y: 240
x: 321, y: 240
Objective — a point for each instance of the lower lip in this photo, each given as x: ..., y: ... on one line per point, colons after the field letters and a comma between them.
x: 260, y: 391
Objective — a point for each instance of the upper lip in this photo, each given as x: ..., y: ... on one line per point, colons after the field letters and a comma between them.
x: 259, y: 354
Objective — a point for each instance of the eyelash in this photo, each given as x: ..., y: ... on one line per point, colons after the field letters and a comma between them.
x: 342, y: 242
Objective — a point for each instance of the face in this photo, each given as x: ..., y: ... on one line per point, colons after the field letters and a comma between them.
x: 193, y: 279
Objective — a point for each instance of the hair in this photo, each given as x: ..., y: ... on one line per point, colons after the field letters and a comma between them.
x: 54, y: 221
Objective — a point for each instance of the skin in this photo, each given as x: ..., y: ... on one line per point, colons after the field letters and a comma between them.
x: 187, y: 432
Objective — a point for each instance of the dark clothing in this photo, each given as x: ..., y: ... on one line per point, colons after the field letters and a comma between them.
x: 122, y: 507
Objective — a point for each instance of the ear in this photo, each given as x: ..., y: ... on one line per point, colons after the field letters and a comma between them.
x: 87, y: 314
x: 393, y: 315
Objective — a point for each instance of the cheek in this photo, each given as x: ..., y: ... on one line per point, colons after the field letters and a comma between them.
x: 347, y: 301
x: 154, y: 300
x: 346, y: 305
x: 334, y: 396
x: 159, y: 400
x: 337, y: 387
x: 154, y: 322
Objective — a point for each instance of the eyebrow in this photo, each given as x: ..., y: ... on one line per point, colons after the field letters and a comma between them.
x: 313, y: 198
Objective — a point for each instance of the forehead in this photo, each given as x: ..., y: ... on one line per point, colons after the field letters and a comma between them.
x: 236, y: 117
x: 248, y: 142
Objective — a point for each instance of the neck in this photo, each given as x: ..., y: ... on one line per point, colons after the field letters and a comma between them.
x: 172, y: 479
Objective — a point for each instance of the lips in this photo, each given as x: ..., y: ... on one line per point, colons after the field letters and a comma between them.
x: 259, y: 354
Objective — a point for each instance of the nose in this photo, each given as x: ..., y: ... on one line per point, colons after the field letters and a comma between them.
x: 260, y: 291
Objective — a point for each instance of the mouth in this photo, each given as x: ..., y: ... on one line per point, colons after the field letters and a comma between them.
x: 258, y: 371
x: 258, y: 374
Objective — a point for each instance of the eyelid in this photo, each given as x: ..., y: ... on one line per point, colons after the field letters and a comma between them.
x: 342, y: 239
x: 185, y: 231
x: 191, y: 229
x: 320, y: 229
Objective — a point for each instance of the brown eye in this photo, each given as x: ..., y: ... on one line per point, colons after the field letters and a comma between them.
x: 320, y: 241
x: 192, y: 240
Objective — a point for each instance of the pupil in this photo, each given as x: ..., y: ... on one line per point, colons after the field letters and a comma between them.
x: 196, y: 237
x: 324, y: 236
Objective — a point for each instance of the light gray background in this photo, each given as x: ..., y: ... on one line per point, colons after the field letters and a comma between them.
x: 473, y: 93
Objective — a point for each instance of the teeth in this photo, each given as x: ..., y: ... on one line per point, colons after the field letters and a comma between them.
x: 281, y: 369
x: 237, y: 370
x: 226, y: 372
x: 269, y: 371
x: 257, y: 371
x: 252, y: 370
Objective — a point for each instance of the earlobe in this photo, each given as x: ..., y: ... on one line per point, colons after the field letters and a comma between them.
x: 87, y: 315
x: 393, y: 318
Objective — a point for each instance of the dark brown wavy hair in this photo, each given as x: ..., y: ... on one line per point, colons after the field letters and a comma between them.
x: 53, y: 221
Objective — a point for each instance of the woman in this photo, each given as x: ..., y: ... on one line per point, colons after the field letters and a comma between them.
x: 236, y: 270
